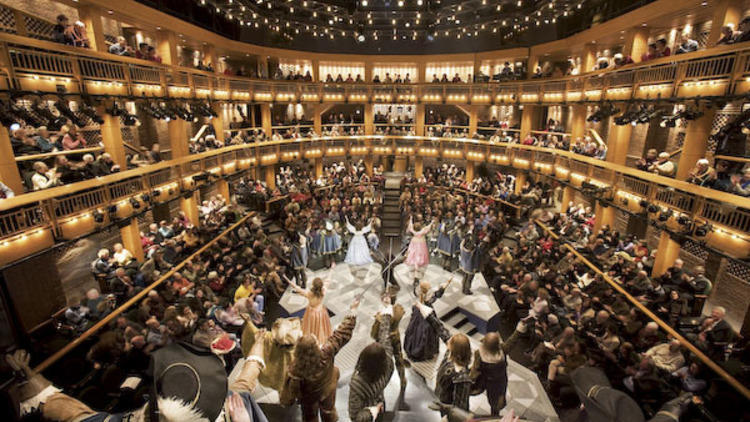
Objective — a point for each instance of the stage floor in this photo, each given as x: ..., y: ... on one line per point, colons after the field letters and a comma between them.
x: 525, y: 393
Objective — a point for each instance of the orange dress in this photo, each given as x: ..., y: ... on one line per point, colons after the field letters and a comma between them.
x: 316, y: 320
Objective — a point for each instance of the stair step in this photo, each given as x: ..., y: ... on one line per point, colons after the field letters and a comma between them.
x: 461, y: 325
x: 455, y: 319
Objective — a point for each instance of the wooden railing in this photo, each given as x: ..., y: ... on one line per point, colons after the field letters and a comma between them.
x: 52, y: 207
x: 742, y: 389
x: 725, y: 66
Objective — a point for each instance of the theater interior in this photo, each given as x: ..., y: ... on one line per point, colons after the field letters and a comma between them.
x: 375, y: 210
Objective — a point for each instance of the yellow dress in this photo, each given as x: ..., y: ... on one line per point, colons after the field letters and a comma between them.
x: 316, y: 320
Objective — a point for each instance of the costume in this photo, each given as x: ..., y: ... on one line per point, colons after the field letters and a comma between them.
x: 358, y: 252
x: 299, y: 259
x: 363, y: 393
x: 316, y: 320
x: 418, y: 256
x: 317, y: 393
x: 444, y: 244
x: 420, y: 339
x: 278, y: 349
x: 331, y: 240
x: 469, y: 263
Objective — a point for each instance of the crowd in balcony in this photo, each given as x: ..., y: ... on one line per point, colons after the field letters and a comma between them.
x: 723, y: 177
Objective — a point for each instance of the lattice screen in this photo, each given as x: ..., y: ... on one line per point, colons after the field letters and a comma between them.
x: 701, y: 33
x: 652, y: 237
x: 693, y: 254
x: 39, y: 28
x: 732, y: 291
x: 621, y: 221
x: 7, y: 20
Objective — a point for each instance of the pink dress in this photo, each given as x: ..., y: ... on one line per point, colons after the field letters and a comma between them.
x: 316, y: 320
x: 418, y: 256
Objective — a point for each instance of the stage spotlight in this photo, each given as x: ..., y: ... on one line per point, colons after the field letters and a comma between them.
x: 664, y: 215
x: 643, y: 203
x: 64, y: 109
x: 135, y: 204
x: 98, y: 217
x: 683, y: 220
x: 703, y: 230
x: 145, y: 197
x: 652, y: 209
x: 157, y: 193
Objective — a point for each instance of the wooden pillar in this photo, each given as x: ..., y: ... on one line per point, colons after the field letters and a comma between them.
x: 112, y: 138
x: 473, y: 119
x: 166, y: 47
x: 369, y: 164
x: 9, y: 173
x: 209, y: 56
x: 529, y: 118
x: 263, y: 67
x: 577, y: 123
x: 636, y: 43
x: 533, y: 63
x: 520, y: 180
x: 318, y: 119
x: 618, y: 142
x: 370, y: 120
x: 369, y: 67
x: 666, y: 253
x: 419, y: 166
x: 315, y: 70
x: 469, y: 171
x: 91, y: 16
x: 603, y: 215
x: 422, y: 73
x: 265, y: 119
x: 270, y: 176
x: 568, y: 195
x: 178, y: 139
x: 222, y: 186
x: 589, y: 58
x: 319, y: 167
x: 218, y: 121
x: 695, y: 144
x: 131, y: 239
x: 726, y: 12
x: 419, y: 120
x: 189, y: 205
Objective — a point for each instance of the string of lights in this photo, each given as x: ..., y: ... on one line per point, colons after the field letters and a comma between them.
x: 371, y: 20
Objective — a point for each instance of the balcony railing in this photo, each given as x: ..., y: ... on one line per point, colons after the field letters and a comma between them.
x: 54, y: 207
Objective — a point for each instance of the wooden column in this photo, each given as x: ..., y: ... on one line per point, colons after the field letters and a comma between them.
x: 166, y: 47
x: 726, y: 12
x: 222, y: 186
x: 9, y: 173
x: 270, y: 176
x: 568, y: 195
x: 318, y: 167
x: 112, y: 138
x: 131, y: 239
x: 315, y: 70
x: 369, y: 67
x: 91, y: 16
x: 529, y: 118
x: 603, y: 215
x: 265, y: 119
x: 588, y: 60
x: 666, y: 253
x: 263, y: 66
x: 473, y: 119
x: 178, y: 139
x: 577, y: 123
x: 532, y: 64
x: 419, y: 120
x: 218, y: 121
x: 469, y: 171
x: 636, y: 43
x: 696, y: 142
x: 209, y: 56
x: 318, y: 119
x: 189, y: 205
x: 618, y: 142
x: 419, y: 166
x: 370, y: 120
x: 422, y: 72
x: 369, y: 164
x: 520, y: 180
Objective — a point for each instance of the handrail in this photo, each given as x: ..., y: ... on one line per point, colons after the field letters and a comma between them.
x: 671, y: 331
x: 732, y: 158
x: 132, y: 301
x: 57, y: 154
x: 131, y: 147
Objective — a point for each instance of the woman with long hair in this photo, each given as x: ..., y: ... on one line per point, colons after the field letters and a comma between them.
x: 316, y: 320
x: 418, y: 256
x: 312, y: 376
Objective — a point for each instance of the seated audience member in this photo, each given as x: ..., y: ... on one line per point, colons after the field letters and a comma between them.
x: 60, y: 33
x: 622, y: 60
x: 687, y: 44
x: 121, y: 47
x: 728, y: 35
x: 662, y: 49
x: 646, y: 162
x: 743, y: 30
x: 6, y: 192
x: 715, y: 333
x: 43, y: 141
x: 104, y: 165
x: 650, y: 54
x: 702, y: 174
x: 142, y: 52
x: 73, y: 139
x: 77, y: 33
x: 667, y: 356
x: 41, y: 178
x: 663, y: 166
x: 741, y: 183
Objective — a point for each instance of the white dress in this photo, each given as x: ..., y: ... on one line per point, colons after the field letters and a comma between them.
x: 358, y: 252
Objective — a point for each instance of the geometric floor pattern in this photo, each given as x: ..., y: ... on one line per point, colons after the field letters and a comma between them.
x: 525, y: 393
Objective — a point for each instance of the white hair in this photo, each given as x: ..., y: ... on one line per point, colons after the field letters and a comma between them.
x: 175, y: 410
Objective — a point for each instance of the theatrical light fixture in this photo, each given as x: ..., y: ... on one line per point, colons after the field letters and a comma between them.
x: 54, y: 123
x: 90, y: 112
x: 664, y: 215
x: 135, y: 204
x: 98, y: 217
x: 704, y: 230
x: 145, y: 198
x: 64, y: 109
x: 602, y: 112
x: 652, y: 209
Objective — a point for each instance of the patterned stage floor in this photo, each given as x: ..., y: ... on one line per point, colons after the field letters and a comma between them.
x: 525, y: 393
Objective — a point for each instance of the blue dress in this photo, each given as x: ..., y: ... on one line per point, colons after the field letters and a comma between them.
x: 444, y: 242
x: 316, y: 242
x: 331, y: 241
x: 299, y: 256
x: 358, y: 252
x: 467, y: 260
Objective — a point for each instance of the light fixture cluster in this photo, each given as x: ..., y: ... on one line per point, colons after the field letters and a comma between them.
x: 371, y: 20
